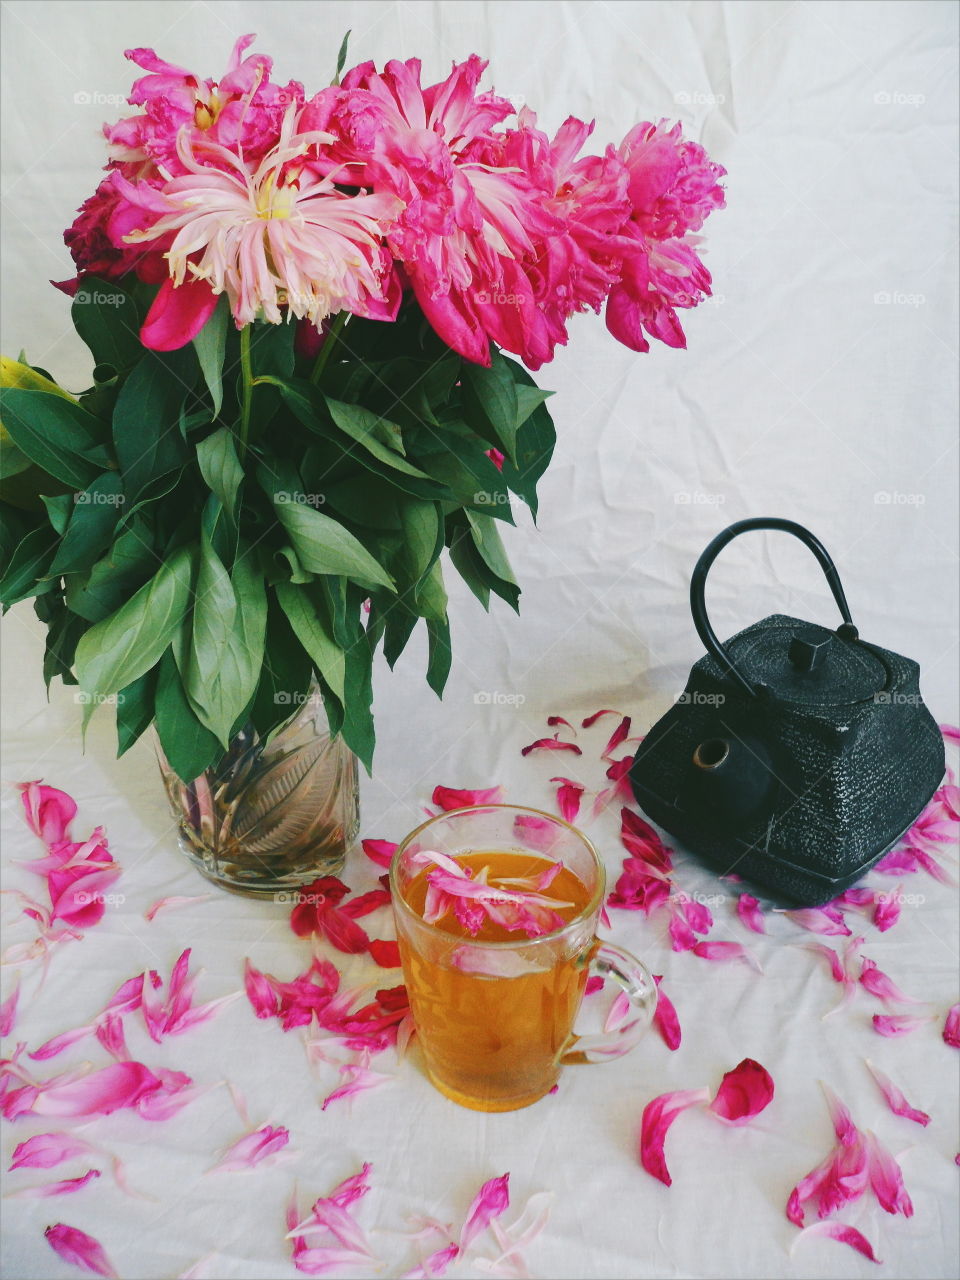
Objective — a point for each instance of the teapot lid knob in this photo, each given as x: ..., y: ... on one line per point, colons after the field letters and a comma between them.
x: 807, y: 652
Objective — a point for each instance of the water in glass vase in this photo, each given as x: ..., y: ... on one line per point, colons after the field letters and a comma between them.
x: 494, y: 1009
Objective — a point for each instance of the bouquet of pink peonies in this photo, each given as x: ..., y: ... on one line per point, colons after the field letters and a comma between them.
x: 298, y: 310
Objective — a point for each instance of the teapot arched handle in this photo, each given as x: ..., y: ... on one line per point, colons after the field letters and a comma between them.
x: 698, y: 582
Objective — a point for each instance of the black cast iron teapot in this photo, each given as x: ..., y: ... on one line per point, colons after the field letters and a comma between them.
x: 796, y: 755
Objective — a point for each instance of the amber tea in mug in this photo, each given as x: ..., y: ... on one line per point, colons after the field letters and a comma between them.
x: 493, y: 1007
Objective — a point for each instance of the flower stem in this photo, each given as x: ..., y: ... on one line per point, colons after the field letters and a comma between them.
x: 246, y: 369
x: 332, y: 335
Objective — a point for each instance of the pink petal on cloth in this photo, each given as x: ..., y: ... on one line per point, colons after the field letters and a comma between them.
x: 724, y: 951
x: 886, y: 1178
x: 260, y: 991
x: 110, y: 1034
x: 951, y: 1027
x: 743, y: 1093
x: 97, y: 1094
x: 897, y: 1024
x: 682, y: 937
x: 642, y: 841
x: 751, y: 913
x: 8, y: 1011
x: 842, y: 1233
x: 951, y: 733
x: 83, y: 901
x: 880, y: 985
x: 66, y: 1187
x: 450, y: 798
x: 76, y: 1247
x: 696, y: 914
x: 658, y: 1115
x: 665, y: 1015
x: 840, y: 1117
x: 364, y: 903
x: 569, y: 795
x: 435, y: 1265
x: 357, y: 1078
x: 895, y: 1098
x: 897, y: 862
x: 260, y: 1147
x: 176, y: 1091
x: 886, y: 911
x: 490, y: 1201
x: 551, y: 744
x: 553, y: 721
x: 837, y: 971
x: 592, y: 720
x: 46, y: 1150
x: 825, y: 920
x: 48, y: 811
x: 616, y: 738
x: 174, y: 903
x: 379, y: 851
x: 385, y: 953
x: 56, y: 1044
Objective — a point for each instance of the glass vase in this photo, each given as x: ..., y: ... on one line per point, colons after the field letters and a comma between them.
x: 274, y: 814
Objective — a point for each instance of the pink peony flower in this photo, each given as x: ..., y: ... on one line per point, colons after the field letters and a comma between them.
x: 269, y: 235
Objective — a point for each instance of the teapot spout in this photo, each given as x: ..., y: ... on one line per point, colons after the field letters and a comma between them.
x: 730, y: 779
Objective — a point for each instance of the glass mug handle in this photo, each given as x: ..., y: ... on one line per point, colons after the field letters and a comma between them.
x: 608, y: 961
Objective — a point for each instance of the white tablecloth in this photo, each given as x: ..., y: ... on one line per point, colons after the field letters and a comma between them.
x: 819, y: 385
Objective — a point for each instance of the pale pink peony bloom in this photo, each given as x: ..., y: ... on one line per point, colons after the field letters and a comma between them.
x: 275, y: 238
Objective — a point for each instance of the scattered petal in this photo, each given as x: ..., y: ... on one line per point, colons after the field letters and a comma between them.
x: 261, y: 1147
x: 841, y: 1232
x: 878, y: 984
x: 751, y: 913
x: 569, y: 795
x: 8, y: 1011
x: 490, y: 1201
x: 665, y: 1017
x: 897, y: 1024
x: 591, y: 720
x: 826, y: 920
x: 895, y: 1099
x: 66, y: 1187
x: 951, y: 733
x: 886, y: 912
x: 172, y: 904
x: 357, y: 1078
x: 951, y: 1027
x: 743, y: 1093
x: 551, y: 744
x: 723, y: 951
x: 76, y: 1247
x: 379, y: 851
x: 434, y: 1266
x: 642, y: 841
x: 616, y: 738
x: 450, y: 798
x: 553, y: 721
x: 886, y: 1179
x: 658, y: 1115
x: 385, y: 953
x: 365, y: 903
x: 46, y: 1150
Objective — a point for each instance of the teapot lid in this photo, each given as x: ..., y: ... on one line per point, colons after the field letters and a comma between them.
x: 806, y: 663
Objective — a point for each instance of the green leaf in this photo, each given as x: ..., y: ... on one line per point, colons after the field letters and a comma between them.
x: 116, y: 651
x: 286, y: 673
x: 53, y: 432
x: 92, y: 522
x: 466, y: 560
x: 489, y: 398
x: 113, y: 578
x: 528, y: 398
x: 107, y: 319
x: 358, y: 731
x: 362, y: 425
x: 536, y: 439
x: 311, y: 626
x: 64, y: 630
x: 222, y: 701
x: 27, y: 566
x: 210, y: 345
x: 431, y: 597
x: 146, y: 418
x: 214, y: 612
x: 221, y: 469
x: 135, y: 707
x: 323, y: 545
x: 12, y: 459
x: 398, y: 623
x: 440, y: 656
x: 189, y: 747
x: 486, y: 539
x: 59, y: 510
x: 342, y: 57
x: 422, y: 537
x: 297, y: 572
